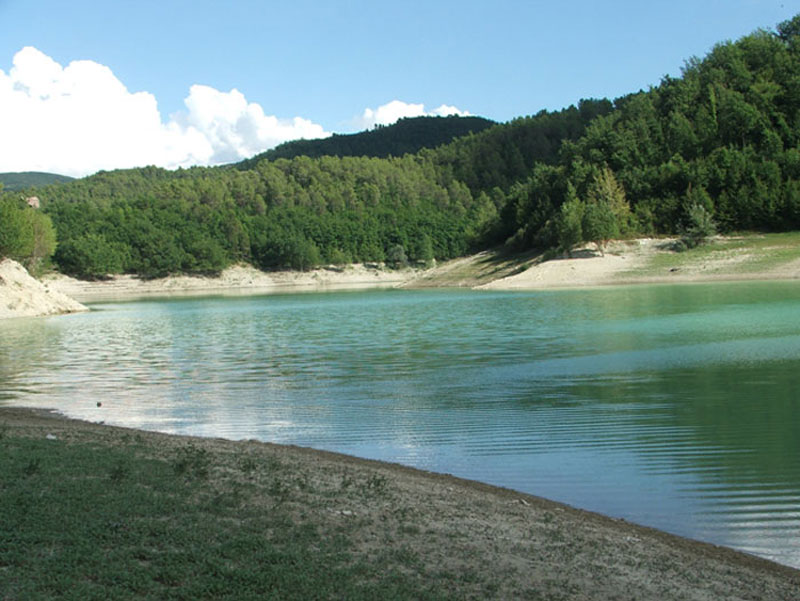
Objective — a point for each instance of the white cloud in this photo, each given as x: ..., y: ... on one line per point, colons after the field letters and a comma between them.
x: 78, y: 119
x: 396, y: 109
x: 237, y: 129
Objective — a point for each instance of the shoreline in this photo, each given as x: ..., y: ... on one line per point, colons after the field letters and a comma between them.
x: 593, y: 555
x: 769, y: 257
x: 754, y: 257
x: 237, y: 280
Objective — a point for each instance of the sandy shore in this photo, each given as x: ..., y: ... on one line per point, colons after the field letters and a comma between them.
x: 652, y: 261
x: 641, y: 261
x: 239, y: 279
x: 519, y: 543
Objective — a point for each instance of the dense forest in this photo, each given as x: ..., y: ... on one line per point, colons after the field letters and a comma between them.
x: 406, y: 136
x: 718, y: 147
x: 30, y: 179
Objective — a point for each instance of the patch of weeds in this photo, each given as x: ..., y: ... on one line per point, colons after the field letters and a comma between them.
x: 279, y: 490
x: 303, y: 483
x: 33, y: 467
x: 347, y: 482
x: 232, y: 498
x: 411, y: 529
x: 247, y: 465
x: 556, y: 535
x: 550, y: 254
x: 375, y: 485
x: 119, y: 471
x: 404, y: 512
x: 404, y: 556
x: 192, y: 462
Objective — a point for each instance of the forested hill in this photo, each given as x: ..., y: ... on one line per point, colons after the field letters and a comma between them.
x: 721, y: 144
x: 29, y: 179
x: 406, y: 136
x: 717, y: 147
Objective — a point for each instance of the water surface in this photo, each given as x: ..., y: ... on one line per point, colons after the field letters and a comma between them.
x: 671, y: 406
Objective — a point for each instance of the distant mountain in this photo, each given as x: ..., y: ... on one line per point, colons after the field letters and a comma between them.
x: 29, y: 179
x: 407, y: 136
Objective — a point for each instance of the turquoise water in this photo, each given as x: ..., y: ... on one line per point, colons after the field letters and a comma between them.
x: 673, y: 406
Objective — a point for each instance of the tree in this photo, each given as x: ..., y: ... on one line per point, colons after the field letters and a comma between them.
x: 89, y: 257
x: 396, y: 256
x: 569, y: 222
x: 701, y: 226
x: 789, y: 30
x: 44, y: 240
x: 599, y: 224
x: 606, y: 190
x: 26, y: 235
x: 16, y: 238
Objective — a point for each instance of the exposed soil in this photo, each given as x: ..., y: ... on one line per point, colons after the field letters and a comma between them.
x: 640, y: 261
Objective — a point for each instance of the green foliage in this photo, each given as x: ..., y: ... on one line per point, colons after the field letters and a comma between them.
x: 700, y: 226
x: 92, y: 520
x: 608, y: 195
x: 26, y: 234
x: 15, y: 238
x: 569, y: 224
x: 504, y: 155
x: 12, y: 182
x: 396, y: 256
x: 90, y: 257
x: 599, y: 224
x: 724, y: 136
x: 297, y: 214
x: 406, y: 136
x: 727, y: 131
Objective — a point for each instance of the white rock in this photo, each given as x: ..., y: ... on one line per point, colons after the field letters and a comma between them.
x: 23, y: 296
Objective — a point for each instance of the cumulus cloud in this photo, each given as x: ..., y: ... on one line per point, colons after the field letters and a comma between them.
x: 78, y: 119
x: 396, y: 109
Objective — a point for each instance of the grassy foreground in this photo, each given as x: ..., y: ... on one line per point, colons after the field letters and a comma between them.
x: 95, y: 512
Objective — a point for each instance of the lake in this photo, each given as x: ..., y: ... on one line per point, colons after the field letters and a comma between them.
x: 677, y: 407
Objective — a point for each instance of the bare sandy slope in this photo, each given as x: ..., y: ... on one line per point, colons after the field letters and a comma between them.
x: 23, y: 296
x: 239, y: 279
x: 649, y: 260
x: 491, y: 543
x: 646, y: 260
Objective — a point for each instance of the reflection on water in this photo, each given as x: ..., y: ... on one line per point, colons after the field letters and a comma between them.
x: 672, y: 406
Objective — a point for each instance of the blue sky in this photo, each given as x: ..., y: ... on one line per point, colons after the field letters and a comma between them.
x: 304, y: 68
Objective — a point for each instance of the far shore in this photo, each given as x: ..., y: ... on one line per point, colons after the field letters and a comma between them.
x: 627, y: 262
x: 433, y: 529
x: 621, y: 263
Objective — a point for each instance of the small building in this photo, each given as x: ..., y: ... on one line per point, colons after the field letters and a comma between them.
x: 33, y: 202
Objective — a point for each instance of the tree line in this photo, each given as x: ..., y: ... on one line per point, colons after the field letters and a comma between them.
x: 407, y: 136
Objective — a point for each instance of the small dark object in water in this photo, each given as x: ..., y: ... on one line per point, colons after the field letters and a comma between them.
x: 99, y: 404
x: 674, y: 269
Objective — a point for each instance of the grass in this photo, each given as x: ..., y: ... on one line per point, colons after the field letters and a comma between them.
x: 93, y: 512
x: 81, y: 520
x: 735, y: 254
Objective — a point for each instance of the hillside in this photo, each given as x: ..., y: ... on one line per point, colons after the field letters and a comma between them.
x: 406, y: 136
x: 715, y: 150
x: 14, y: 182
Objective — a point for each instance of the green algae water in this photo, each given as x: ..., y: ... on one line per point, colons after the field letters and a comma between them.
x: 677, y: 407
